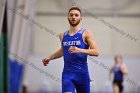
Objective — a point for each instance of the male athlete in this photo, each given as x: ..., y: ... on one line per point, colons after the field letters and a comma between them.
x: 76, y: 44
x: 119, y: 70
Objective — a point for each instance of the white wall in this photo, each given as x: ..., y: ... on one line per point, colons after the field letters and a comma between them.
x: 36, y: 76
x: 109, y: 41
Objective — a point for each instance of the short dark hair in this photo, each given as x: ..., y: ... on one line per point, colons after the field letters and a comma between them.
x: 75, y: 8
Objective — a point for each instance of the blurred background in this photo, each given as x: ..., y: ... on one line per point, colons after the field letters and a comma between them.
x: 29, y: 32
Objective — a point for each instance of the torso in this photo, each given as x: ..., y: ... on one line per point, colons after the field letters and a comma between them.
x: 118, y: 75
x: 75, y: 62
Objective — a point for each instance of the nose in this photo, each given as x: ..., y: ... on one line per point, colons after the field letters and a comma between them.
x: 73, y: 16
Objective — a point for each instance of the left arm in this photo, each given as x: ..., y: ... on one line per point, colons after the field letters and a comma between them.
x: 124, y: 69
x: 93, y: 51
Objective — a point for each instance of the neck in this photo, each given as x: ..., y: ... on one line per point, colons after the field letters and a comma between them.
x: 74, y: 29
x: 118, y: 63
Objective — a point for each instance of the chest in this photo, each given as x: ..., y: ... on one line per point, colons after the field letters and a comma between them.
x: 75, y: 40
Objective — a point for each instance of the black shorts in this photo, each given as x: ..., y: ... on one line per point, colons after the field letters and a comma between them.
x: 119, y: 84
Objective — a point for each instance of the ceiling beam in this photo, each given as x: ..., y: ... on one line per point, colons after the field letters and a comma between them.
x: 89, y: 14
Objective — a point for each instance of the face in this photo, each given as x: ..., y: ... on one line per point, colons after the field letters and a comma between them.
x: 118, y: 60
x: 74, y: 17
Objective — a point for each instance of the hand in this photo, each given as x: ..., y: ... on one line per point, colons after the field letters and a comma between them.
x: 74, y: 49
x: 46, y: 61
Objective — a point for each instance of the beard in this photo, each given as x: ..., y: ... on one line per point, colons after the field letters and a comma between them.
x: 73, y: 22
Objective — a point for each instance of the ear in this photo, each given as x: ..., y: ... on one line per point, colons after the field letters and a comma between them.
x: 81, y: 18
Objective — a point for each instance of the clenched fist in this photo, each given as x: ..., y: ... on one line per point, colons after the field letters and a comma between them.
x: 74, y: 49
x: 46, y: 61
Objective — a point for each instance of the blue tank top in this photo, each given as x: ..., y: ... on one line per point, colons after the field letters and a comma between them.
x: 118, y: 75
x: 74, y: 62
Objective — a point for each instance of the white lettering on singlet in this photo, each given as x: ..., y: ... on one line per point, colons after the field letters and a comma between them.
x: 70, y: 43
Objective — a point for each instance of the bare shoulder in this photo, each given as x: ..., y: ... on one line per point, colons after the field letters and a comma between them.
x: 123, y: 65
x: 61, y: 35
x: 87, y: 34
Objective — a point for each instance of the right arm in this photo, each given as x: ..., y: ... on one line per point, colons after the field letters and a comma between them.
x: 111, y: 72
x: 55, y: 55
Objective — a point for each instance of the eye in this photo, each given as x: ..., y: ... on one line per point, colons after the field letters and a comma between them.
x: 71, y: 15
x: 76, y: 15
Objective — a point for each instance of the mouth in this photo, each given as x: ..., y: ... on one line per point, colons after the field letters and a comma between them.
x: 73, y: 20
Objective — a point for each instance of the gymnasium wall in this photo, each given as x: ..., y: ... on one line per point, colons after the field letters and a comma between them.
x: 109, y: 40
x: 49, y: 78
x: 34, y: 26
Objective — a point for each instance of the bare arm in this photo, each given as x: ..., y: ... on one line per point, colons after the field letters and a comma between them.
x: 124, y: 69
x: 111, y: 72
x: 55, y: 55
x: 93, y: 51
